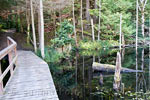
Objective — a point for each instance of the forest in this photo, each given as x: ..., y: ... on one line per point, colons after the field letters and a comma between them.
x: 95, y: 49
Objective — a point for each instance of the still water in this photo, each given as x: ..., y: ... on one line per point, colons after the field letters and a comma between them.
x: 75, y: 79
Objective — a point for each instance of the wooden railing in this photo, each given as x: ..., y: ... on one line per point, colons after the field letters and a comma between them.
x: 11, y: 51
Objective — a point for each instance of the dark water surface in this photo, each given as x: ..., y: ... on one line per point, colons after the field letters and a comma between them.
x: 79, y: 82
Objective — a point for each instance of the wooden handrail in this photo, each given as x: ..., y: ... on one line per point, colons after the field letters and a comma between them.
x: 11, y: 51
x: 8, y: 49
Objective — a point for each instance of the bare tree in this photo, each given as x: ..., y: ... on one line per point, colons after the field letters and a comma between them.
x: 33, y: 26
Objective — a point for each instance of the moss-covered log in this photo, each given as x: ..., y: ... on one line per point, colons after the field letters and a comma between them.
x: 110, y: 68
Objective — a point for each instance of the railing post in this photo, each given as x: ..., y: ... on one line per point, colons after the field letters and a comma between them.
x: 10, y: 58
x: 1, y: 83
x: 15, y: 50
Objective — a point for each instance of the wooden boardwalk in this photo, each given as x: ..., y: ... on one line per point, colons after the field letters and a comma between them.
x: 32, y: 80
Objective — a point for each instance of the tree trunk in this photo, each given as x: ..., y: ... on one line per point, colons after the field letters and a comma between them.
x: 33, y: 27
x: 74, y: 23
x: 87, y: 10
x: 117, y: 76
x: 93, y: 36
x: 54, y: 23
x: 28, y: 22
x: 143, y: 20
x: 28, y: 32
x: 95, y: 7
x: 137, y: 18
x: 39, y: 29
x: 142, y: 8
x: 98, y: 67
x: 120, y: 31
x: 142, y: 59
x: 42, y: 28
x: 60, y: 19
x: 82, y: 18
x: 99, y: 26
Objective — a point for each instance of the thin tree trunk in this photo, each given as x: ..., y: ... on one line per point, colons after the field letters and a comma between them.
x: 95, y: 7
x: 74, y: 23
x: 87, y: 10
x: 83, y: 69
x: 82, y: 18
x: 142, y: 8
x: 60, y: 19
x: 28, y: 22
x: 54, y: 22
x: 42, y: 28
x: 95, y: 4
x: 120, y: 31
x: 28, y: 32
x: 39, y: 29
x: 137, y: 19
x: 142, y: 59
x: 99, y: 26
x: 93, y: 36
x: 143, y: 20
x: 33, y: 27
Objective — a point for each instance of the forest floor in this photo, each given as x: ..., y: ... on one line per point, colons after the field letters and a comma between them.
x: 20, y: 38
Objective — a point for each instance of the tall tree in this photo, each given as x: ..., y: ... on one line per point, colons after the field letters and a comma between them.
x: 41, y: 27
x: 33, y: 26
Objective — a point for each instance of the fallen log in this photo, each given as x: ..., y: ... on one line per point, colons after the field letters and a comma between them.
x: 111, y: 68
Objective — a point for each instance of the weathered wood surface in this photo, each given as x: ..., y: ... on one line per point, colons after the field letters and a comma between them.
x: 10, y: 50
x: 32, y: 80
x: 111, y: 68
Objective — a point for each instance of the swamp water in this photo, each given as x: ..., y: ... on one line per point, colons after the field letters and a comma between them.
x: 79, y: 82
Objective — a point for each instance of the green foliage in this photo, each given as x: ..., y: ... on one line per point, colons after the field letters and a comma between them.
x: 98, y: 53
x: 51, y: 55
x: 110, y: 19
x: 97, y: 45
x: 63, y: 35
